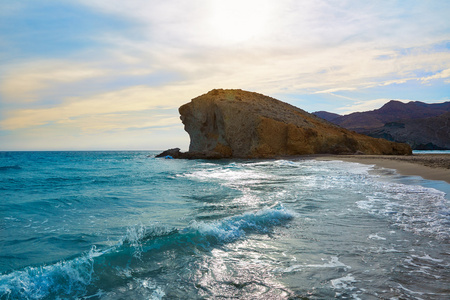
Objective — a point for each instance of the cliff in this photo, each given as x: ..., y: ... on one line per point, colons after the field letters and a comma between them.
x: 236, y: 123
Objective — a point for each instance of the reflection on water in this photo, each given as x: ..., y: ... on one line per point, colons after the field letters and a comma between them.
x: 124, y: 226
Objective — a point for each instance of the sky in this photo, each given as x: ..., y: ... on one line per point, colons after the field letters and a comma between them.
x: 111, y: 74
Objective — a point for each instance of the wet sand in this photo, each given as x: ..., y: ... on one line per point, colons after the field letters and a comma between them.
x: 428, y: 166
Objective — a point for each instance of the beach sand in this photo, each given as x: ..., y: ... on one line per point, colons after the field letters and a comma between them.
x: 428, y: 166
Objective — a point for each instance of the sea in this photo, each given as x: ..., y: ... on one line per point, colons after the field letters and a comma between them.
x: 127, y: 225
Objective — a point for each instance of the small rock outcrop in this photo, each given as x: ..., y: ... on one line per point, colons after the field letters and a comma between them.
x: 241, y: 124
x: 171, y: 153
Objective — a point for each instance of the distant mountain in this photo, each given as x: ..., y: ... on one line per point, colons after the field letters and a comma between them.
x: 422, y: 125
x: 421, y: 134
x: 326, y: 115
x: 392, y: 111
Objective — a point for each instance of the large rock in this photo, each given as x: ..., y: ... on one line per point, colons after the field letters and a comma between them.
x: 236, y: 123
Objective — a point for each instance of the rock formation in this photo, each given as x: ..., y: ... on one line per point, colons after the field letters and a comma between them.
x: 236, y: 123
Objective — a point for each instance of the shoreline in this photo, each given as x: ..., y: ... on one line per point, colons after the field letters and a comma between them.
x: 427, y: 166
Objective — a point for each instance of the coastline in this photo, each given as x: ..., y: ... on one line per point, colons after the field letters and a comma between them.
x: 427, y: 166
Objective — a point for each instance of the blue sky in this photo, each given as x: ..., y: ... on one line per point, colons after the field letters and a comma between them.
x: 110, y: 74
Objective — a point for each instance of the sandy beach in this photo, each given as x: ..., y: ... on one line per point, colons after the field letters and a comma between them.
x: 428, y: 166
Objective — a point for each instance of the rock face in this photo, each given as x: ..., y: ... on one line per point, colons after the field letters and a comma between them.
x: 236, y: 123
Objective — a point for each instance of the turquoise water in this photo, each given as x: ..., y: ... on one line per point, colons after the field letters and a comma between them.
x: 431, y: 151
x: 124, y: 225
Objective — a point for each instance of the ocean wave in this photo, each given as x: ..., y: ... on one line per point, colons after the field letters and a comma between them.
x: 138, y: 235
x: 73, y: 278
x: 421, y: 210
x: 7, y: 168
x: 64, y: 278
x: 232, y: 173
x: 233, y: 228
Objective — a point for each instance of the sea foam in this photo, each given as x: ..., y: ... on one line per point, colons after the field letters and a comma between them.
x: 72, y: 277
x: 64, y: 278
x: 424, y: 211
x: 236, y: 227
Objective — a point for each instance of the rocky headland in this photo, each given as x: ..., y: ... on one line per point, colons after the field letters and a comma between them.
x: 241, y: 124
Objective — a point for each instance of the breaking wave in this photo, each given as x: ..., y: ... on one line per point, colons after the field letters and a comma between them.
x: 77, y: 277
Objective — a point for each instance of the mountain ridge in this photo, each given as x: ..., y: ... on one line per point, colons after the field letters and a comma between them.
x: 414, y: 120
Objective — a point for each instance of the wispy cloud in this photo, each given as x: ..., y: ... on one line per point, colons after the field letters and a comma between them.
x: 440, y: 75
x: 106, y: 106
x: 366, y: 105
x: 24, y: 83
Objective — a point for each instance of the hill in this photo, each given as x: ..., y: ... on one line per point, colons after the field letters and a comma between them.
x: 421, y: 125
x: 326, y: 115
x: 421, y: 134
x: 392, y: 111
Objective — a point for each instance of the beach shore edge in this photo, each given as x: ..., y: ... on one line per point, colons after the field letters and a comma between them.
x: 427, y: 166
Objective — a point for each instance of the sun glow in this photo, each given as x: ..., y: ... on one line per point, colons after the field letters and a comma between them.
x: 235, y: 21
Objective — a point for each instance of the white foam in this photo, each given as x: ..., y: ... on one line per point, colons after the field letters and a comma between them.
x: 429, y: 258
x: 333, y: 263
x: 424, y: 211
x: 227, y: 175
x: 376, y: 237
x: 233, y: 228
x: 62, y: 278
x: 410, y: 291
x: 233, y: 175
x: 343, y: 283
x: 344, y: 286
x: 290, y: 269
x: 158, y: 294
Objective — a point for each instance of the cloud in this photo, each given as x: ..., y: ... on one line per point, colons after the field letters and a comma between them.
x: 312, y: 47
x: 148, y: 55
x: 299, y: 24
x: 116, y: 106
x: 39, y: 80
x: 133, y: 118
x: 366, y: 105
x: 70, y: 138
x: 440, y: 75
x: 327, y: 71
x: 333, y: 90
x: 23, y: 83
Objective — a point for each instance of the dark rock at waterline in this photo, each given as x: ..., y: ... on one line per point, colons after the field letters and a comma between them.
x: 176, y: 153
x: 173, y: 153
